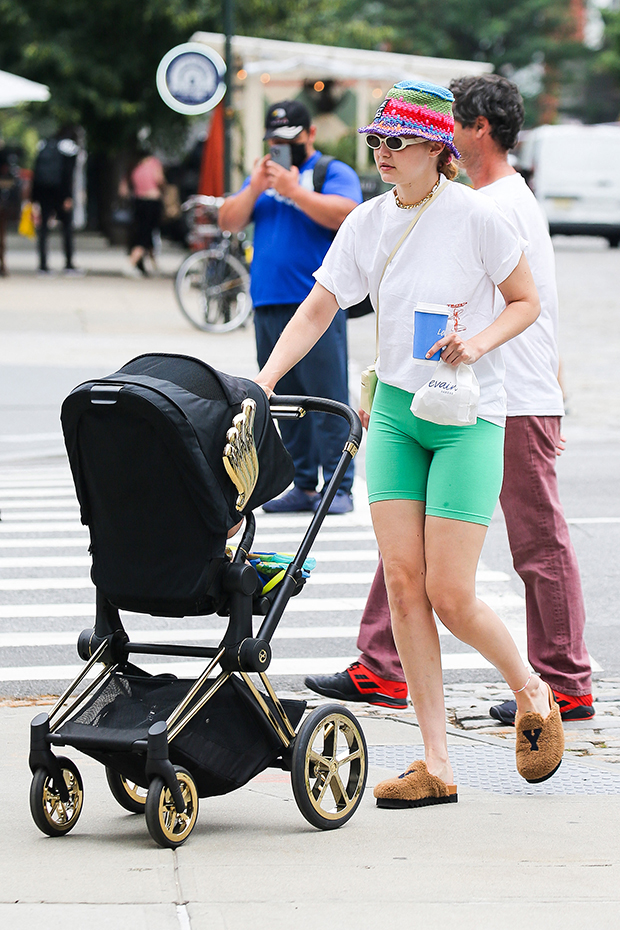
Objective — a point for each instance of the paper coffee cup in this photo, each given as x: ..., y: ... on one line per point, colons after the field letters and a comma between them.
x: 430, y: 322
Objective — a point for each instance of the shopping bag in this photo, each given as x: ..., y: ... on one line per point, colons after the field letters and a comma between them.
x: 368, y: 388
x: 450, y: 397
x: 26, y: 221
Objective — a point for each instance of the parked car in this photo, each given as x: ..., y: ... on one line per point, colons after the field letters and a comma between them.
x: 573, y: 171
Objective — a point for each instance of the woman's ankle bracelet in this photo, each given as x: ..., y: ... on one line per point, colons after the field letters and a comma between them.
x: 519, y: 690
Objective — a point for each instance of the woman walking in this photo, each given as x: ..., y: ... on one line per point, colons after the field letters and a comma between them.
x: 432, y: 488
x: 145, y: 186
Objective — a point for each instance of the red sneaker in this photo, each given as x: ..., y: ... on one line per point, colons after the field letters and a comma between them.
x: 358, y: 683
x: 575, y: 707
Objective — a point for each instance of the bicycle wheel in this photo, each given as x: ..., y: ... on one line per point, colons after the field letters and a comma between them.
x: 213, y: 291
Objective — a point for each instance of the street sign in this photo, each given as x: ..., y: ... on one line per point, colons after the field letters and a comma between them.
x: 191, y: 78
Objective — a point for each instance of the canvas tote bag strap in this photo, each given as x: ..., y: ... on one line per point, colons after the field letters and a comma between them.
x: 441, y: 188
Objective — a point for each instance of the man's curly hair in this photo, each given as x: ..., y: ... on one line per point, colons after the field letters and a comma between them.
x: 494, y: 97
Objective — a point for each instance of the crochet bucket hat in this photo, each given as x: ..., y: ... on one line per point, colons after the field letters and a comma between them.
x: 416, y: 108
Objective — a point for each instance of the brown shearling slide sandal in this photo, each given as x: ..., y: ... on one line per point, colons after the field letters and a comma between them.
x: 414, y: 788
x: 540, y: 743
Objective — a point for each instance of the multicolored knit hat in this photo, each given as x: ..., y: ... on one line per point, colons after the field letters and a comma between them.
x: 416, y: 108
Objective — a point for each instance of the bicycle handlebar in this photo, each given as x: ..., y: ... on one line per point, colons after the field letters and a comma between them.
x: 201, y: 200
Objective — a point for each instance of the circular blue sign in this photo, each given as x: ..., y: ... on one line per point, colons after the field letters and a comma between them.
x: 190, y: 78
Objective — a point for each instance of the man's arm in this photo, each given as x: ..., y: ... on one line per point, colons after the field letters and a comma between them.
x: 328, y: 210
x: 236, y: 211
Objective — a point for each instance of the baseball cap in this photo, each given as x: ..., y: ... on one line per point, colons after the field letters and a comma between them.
x: 286, y: 120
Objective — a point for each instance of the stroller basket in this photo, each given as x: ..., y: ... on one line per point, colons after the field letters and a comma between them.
x: 169, y: 455
x: 225, y: 745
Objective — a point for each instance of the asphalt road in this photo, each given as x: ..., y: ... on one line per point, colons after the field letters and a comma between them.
x: 60, y: 332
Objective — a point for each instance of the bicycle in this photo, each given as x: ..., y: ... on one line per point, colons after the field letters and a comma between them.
x: 212, y: 286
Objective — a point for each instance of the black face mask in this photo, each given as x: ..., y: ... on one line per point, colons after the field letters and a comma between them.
x: 298, y: 153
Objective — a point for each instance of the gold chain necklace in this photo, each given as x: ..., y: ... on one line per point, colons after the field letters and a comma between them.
x: 420, y: 203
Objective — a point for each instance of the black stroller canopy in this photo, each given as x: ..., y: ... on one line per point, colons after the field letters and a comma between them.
x: 145, y: 446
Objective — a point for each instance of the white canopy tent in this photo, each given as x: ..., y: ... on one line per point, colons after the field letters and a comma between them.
x: 267, y: 70
x: 15, y: 90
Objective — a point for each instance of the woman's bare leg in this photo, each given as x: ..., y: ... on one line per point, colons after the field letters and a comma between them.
x: 452, y: 550
x: 399, y: 527
x: 137, y: 253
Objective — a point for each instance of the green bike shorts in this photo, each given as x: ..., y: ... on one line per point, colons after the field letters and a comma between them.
x: 457, y: 470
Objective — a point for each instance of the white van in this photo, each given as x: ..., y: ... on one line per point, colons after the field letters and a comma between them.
x: 575, y: 175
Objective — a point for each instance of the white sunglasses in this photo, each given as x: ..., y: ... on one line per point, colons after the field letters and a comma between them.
x: 393, y: 143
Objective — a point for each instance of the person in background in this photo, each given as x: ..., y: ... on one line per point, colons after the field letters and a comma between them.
x: 52, y: 191
x: 294, y: 227
x: 9, y: 194
x: 488, y: 113
x: 145, y: 186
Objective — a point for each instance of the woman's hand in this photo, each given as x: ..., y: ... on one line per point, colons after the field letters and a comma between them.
x: 264, y: 386
x: 364, y: 417
x: 455, y: 351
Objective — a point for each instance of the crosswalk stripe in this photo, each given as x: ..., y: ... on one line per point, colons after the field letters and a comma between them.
x: 56, y: 584
x: 52, y: 504
x: 53, y: 526
x: 17, y: 639
x: 42, y: 516
x: 296, y: 605
x: 62, y: 542
x: 69, y: 637
x: 310, y: 665
x: 19, y: 495
x: 45, y: 561
x: 262, y: 537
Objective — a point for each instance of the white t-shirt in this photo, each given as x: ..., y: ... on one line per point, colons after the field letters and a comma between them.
x: 531, y: 358
x: 460, y: 249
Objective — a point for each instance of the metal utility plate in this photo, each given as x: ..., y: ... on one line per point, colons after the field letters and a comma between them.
x: 491, y: 768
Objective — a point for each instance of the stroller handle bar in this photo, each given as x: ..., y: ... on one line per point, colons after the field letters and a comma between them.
x: 285, y: 407
x: 290, y: 408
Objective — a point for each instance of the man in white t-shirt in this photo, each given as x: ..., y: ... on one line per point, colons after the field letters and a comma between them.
x: 488, y: 113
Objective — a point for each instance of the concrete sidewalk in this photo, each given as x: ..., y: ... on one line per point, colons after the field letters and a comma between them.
x: 93, y: 254
x: 508, y: 855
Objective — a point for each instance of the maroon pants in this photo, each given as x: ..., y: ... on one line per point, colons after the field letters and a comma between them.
x: 543, y: 556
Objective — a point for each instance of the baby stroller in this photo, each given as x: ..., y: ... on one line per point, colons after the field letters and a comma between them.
x: 167, y: 455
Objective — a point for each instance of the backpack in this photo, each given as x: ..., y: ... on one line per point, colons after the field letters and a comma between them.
x: 319, y: 172
x: 48, y: 166
x: 318, y: 180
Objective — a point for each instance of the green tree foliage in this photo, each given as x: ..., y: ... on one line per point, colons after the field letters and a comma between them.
x: 348, y: 23
x: 99, y: 60
x: 609, y: 57
x: 99, y: 57
x: 504, y: 33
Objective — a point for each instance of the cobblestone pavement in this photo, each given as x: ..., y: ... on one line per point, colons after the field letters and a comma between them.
x: 467, y: 711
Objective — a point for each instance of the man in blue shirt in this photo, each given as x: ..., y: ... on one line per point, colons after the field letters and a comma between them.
x: 294, y: 225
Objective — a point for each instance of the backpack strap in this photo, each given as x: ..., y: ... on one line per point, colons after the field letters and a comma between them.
x: 319, y: 172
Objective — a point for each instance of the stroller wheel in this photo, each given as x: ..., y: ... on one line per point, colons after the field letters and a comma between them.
x: 329, y: 766
x: 166, y: 825
x: 52, y: 815
x: 129, y: 795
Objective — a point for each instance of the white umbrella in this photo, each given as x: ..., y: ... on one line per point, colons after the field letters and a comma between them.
x: 15, y: 90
